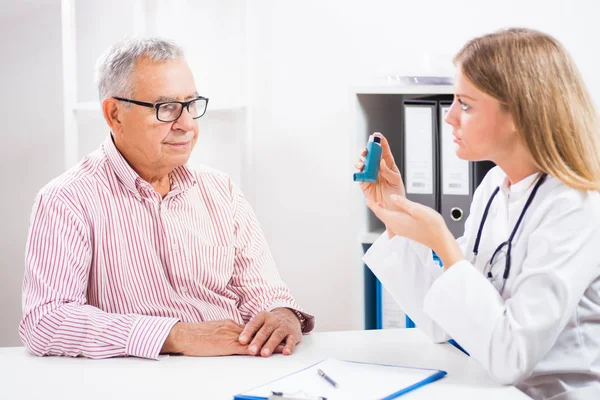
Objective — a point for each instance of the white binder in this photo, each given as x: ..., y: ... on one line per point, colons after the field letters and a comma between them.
x: 420, y: 152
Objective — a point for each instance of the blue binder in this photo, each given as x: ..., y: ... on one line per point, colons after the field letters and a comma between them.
x: 378, y: 302
x: 409, y: 322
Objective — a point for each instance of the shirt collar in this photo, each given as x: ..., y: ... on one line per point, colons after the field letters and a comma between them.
x: 519, y: 188
x: 181, y: 177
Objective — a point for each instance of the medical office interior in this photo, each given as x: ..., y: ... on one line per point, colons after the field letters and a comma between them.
x: 287, y: 83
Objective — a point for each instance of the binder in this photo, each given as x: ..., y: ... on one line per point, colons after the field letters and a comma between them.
x: 434, y: 176
x: 418, y: 162
x: 478, y: 171
x: 355, y: 380
x: 419, y: 166
x: 420, y: 152
x: 456, y: 182
x: 389, y: 314
x: 459, y: 178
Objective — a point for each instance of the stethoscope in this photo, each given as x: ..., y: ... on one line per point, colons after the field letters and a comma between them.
x: 507, y: 243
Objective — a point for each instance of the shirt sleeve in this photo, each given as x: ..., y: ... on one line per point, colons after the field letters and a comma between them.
x: 510, y: 336
x: 407, y: 270
x: 255, y: 278
x: 56, y: 317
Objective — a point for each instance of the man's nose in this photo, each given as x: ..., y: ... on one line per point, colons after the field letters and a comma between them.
x: 185, y: 121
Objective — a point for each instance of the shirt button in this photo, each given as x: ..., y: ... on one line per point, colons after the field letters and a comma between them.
x: 184, y: 289
x: 175, y: 247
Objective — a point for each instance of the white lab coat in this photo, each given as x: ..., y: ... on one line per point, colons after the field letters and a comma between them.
x: 543, y: 333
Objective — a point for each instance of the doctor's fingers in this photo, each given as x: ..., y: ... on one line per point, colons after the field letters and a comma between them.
x: 423, y: 214
x: 399, y: 221
x: 391, y: 175
x: 401, y: 203
x: 386, y: 151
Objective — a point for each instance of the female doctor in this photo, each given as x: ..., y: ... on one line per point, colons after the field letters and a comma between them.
x: 520, y: 290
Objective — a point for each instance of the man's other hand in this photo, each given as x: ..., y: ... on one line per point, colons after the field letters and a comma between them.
x: 269, y: 332
x: 213, y: 338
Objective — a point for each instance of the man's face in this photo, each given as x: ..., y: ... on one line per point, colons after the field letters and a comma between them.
x: 145, y: 141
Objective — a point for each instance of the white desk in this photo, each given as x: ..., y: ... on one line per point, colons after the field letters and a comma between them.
x: 23, y: 376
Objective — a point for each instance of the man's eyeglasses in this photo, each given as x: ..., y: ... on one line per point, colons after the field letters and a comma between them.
x: 170, y: 111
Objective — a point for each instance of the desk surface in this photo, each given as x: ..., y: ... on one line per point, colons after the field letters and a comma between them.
x: 23, y: 376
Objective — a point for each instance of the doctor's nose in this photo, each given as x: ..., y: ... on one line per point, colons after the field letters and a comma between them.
x: 452, y: 114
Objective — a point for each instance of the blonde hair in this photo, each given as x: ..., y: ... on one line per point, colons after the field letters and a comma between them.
x: 534, y: 78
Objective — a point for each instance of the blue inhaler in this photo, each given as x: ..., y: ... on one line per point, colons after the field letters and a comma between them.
x: 372, y: 160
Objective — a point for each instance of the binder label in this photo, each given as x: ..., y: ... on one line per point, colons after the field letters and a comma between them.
x: 419, y: 149
x: 455, y: 172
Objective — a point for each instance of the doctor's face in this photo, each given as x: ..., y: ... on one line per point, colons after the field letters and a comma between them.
x: 482, y: 128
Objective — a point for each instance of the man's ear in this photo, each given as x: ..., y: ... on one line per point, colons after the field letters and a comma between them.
x: 112, y: 111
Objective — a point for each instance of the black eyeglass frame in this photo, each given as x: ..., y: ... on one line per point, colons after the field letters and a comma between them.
x: 184, y: 104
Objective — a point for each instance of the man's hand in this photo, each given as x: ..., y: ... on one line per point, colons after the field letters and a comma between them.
x: 268, y: 330
x: 214, y: 338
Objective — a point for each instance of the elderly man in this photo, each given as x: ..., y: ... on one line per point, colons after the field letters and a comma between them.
x: 132, y: 253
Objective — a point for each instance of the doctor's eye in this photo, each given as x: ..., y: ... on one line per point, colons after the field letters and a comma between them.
x: 464, y: 106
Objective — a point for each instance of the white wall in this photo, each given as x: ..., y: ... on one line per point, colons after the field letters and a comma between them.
x: 306, y: 57
x: 31, y: 149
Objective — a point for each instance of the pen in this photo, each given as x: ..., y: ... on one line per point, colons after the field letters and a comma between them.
x: 327, y: 378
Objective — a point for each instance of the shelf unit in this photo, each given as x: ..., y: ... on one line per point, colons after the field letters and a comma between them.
x: 381, y: 109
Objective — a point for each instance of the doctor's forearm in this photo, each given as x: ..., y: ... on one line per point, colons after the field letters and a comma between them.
x: 448, y: 249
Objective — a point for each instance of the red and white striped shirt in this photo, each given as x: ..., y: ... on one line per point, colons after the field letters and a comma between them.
x: 111, y: 266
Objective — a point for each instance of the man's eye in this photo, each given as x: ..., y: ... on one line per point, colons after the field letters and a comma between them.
x: 169, y: 107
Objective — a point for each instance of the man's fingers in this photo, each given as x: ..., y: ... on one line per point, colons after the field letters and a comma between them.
x: 260, y: 338
x: 290, y: 345
x: 276, y: 338
x: 240, y: 349
x: 252, y: 327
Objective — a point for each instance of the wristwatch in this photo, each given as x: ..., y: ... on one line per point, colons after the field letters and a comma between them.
x: 301, y: 318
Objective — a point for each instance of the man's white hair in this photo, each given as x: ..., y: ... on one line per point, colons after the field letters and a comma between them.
x: 114, y: 67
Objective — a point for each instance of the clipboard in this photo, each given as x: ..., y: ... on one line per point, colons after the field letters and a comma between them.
x: 355, y: 380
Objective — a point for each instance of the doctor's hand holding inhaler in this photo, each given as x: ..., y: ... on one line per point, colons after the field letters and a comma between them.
x: 377, y: 172
x: 520, y: 290
x: 385, y: 195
